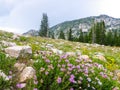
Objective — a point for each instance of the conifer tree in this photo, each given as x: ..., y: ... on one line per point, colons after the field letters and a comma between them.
x: 61, y: 35
x: 44, y: 26
x: 70, y: 35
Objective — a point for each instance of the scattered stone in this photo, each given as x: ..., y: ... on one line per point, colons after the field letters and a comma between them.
x: 71, y: 53
x: 99, y: 56
x: 85, y: 57
x: 26, y: 74
x: 19, y: 51
x: 3, y: 75
x: 49, y: 46
x: 59, y: 52
x: 15, y: 36
x: 8, y: 44
x: 117, y: 74
x: 19, y: 66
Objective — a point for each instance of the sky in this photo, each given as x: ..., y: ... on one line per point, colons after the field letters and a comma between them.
x: 20, y: 16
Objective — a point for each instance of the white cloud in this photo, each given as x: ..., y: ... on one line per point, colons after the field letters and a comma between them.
x: 22, y: 15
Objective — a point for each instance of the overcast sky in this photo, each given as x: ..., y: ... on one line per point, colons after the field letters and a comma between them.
x: 22, y: 15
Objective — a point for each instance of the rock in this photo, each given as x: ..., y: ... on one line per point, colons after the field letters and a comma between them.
x: 85, y: 57
x: 19, y: 51
x: 8, y: 44
x: 19, y: 66
x: 49, y: 46
x: 99, y: 56
x: 3, y: 75
x: 71, y: 53
x: 117, y: 74
x: 27, y: 73
x: 59, y: 52
x: 15, y: 36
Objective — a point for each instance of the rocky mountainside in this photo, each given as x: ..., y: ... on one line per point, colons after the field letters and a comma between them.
x: 31, y: 33
x: 83, y: 23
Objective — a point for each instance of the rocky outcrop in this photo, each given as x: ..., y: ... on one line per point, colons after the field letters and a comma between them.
x: 8, y: 44
x: 26, y: 74
x: 19, y: 66
x: 19, y: 51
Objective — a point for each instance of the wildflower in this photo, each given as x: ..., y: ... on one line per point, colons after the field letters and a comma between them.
x: 64, y: 56
x: 9, y: 77
x: 115, y: 88
x: 59, y: 80
x: 21, y: 85
x: 66, y: 60
x: 71, y: 89
x: 47, y: 61
x: 63, y: 65
x: 10, y: 72
x: 36, y: 82
x: 42, y: 69
x: 78, y: 67
x: 35, y: 89
x: 59, y: 65
x: 71, y: 79
x: 100, y: 83
x: 69, y: 65
x: 46, y: 73
x: 89, y: 79
x: 35, y: 77
x: 70, y: 69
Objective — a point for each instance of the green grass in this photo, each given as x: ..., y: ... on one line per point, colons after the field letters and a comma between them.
x: 53, y: 72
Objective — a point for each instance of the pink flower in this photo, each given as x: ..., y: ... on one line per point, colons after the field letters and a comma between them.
x: 71, y: 79
x: 59, y: 80
x: 46, y: 73
x: 71, y: 89
x: 47, y: 61
x: 35, y: 89
x: 9, y: 77
x: 36, y: 82
x: 21, y: 85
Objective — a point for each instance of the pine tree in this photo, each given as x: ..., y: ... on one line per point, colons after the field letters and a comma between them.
x: 70, y: 35
x: 44, y: 26
x: 102, y: 34
x: 81, y: 37
x: 61, y: 35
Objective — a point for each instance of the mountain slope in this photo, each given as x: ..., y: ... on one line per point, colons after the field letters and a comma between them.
x: 85, y: 24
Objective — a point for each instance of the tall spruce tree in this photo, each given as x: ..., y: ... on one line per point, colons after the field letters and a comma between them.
x: 70, y: 35
x: 81, y: 37
x: 43, y: 32
x: 61, y: 35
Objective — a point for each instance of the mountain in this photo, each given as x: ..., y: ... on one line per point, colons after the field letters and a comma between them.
x: 31, y: 33
x: 85, y: 24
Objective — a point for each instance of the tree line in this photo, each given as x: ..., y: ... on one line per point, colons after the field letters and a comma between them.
x: 96, y: 34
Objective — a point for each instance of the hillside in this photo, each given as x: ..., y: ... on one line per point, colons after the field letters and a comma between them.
x: 35, y: 63
x: 85, y: 24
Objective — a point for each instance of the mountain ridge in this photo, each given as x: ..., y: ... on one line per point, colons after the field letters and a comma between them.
x: 85, y: 24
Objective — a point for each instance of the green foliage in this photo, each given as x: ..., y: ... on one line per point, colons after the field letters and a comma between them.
x: 61, y: 36
x: 44, y: 26
x: 70, y: 35
x: 23, y: 39
x: 6, y: 63
x: 4, y: 84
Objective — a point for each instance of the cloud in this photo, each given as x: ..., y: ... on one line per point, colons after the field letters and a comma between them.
x: 22, y: 15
